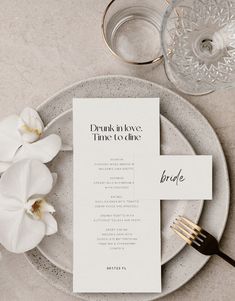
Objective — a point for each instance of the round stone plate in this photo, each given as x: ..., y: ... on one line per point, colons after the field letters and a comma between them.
x: 203, y: 139
x: 58, y: 248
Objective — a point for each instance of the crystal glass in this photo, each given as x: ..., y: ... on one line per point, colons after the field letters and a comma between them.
x: 198, y: 41
x: 131, y: 30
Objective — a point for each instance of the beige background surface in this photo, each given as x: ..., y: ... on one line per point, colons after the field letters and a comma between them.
x: 46, y: 45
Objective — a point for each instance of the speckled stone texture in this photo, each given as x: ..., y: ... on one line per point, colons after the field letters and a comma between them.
x: 47, y: 45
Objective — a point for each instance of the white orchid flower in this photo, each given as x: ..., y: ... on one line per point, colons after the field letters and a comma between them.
x: 25, y: 215
x: 20, y: 139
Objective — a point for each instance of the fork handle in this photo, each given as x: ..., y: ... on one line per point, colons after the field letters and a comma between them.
x: 226, y: 258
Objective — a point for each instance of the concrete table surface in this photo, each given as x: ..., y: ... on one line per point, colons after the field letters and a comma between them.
x: 47, y: 45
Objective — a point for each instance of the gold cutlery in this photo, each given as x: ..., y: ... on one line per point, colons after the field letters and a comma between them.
x: 198, y: 238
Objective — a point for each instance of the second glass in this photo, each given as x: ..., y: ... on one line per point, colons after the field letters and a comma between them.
x: 198, y: 41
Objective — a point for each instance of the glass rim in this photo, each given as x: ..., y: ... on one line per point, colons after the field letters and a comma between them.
x: 154, y: 60
x: 165, y: 17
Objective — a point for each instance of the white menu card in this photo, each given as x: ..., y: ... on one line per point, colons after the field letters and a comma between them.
x: 119, y: 179
x: 116, y: 216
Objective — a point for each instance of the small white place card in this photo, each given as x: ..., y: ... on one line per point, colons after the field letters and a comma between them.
x: 184, y: 177
x: 175, y: 177
x: 116, y: 232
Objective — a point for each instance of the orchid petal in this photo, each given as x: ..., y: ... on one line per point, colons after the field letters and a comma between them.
x: 44, y: 150
x: 14, y: 181
x: 26, y: 178
x: 40, y: 181
x: 46, y: 207
x: 10, y: 139
x: 30, y: 125
x: 24, y: 233
x: 51, y: 224
x: 9, y: 204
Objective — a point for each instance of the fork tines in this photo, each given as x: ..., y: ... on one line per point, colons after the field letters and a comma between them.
x: 199, y: 239
x: 187, y: 230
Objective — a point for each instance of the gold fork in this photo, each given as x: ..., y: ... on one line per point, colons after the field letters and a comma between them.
x: 199, y: 238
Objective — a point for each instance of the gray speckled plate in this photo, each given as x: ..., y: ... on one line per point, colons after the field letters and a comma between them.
x: 58, y: 248
x: 203, y: 139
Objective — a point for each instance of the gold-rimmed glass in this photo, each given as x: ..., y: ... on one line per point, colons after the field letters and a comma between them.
x: 131, y: 30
